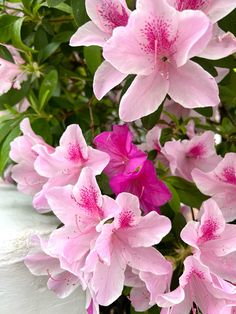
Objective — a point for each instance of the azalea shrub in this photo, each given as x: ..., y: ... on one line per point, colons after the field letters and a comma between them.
x: 119, y: 118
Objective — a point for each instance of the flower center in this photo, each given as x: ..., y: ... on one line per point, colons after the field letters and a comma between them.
x: 112, y: 15
x: 126, y: 219
x: 181, y: 5
x: 74, y: 152
x: 229, y: 175
x: 88, y: 200
x: 208, y: 230
x: 197, y: 151
x: 159, y: 41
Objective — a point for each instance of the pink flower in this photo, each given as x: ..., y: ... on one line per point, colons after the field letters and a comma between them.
x: 40, y: 263
x: 220, y: 183
x: 63, y: 166
x: 80, y: 208
x: 106, y: 15
x: 127, y: 241
x: 198, y: 285
x: 28, y: 180
x: 124, y: 155
x: 221, y: 44
x: 186, y: 155
x: 213, y: 241
x: 216, y: 9
x: 143, y: 183
x: 11, y: 74
x: 157, y: 44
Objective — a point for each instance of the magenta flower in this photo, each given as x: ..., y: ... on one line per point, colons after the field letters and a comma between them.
x: 186, y: 155
x: 213, y: 241
x: 28, y: 180
x: 127, y: 241
x: 11, y: 74
x: 40, y: 262
x: 157, y: 43
x: 143, y: 183
x: 220, y: 184
x: 106, y: 15
x: 63, y: 166
x: 210, y: 293
x: 124, y: 155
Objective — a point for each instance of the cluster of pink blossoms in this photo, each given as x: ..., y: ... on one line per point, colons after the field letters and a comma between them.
x: 105, y: 243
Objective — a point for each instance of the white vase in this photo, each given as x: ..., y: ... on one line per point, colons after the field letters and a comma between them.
x: 20, y: 291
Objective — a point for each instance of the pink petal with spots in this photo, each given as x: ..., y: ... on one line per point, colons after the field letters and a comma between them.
x: 63, y: 284
x: 143, y: 97
x: 149, y: 231
x: 137, y: 61
x: 87, y: 35
x: 73, y: 140
x: 106, y: 78
x: 203, y: 89
x: 186, y: 155
x: 108, y: 14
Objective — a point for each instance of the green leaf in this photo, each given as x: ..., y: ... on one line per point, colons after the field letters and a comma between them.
x: 175, y: 201
x: 42, y: 128
x: 6, y: 24
x: 206, y: 112
x: 54, y: 3
x: 16, y: 35
x: 5, y: 149
x: 79, y: 12
x: 5, y: 54
x: 151, y: 120
x: 93, y: 57
x: 47, y: 88
x: 187, y: 191
x: 47, y: 51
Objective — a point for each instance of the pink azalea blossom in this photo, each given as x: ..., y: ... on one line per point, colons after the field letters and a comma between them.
x: 63, y: 166
x: 186, y: 155
x: 127, y: 241
x: 28, y: 180
x: 80, y: 208
x: 213, y: 241
x: 157, y: 43
x: 220, y: 184
x: 221, y: 44
x: 11, y: 74
x: 106, y: 15
x: 124, y: 155
x: 143, y: 183
x: 40, y: 262
x: 198, y: 285
x: 216, y: 9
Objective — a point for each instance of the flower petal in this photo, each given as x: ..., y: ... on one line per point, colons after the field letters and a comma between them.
x: 87, y: 35
x: 202, y: 87
x: 143, y: 97
x: 105, y: 78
